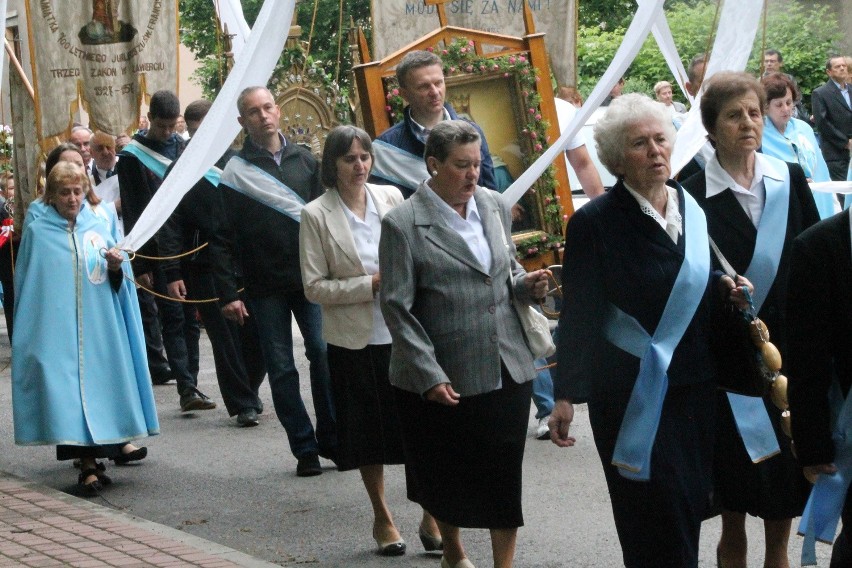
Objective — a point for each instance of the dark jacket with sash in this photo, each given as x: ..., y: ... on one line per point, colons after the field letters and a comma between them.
x: 819, y: 312
x: 137, y: 185
x: 736, y: 235
x: 267, y: 241
x: 401, y: 136
x: 199, y: 218
x: 616, y: 254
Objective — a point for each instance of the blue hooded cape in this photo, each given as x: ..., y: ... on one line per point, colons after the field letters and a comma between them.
x: 79, y: 367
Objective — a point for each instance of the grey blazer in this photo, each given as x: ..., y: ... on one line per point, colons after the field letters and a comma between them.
x: 450, y: 321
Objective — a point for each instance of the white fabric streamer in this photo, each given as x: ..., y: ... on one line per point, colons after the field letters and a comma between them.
x: 220, y: 127
x: 663, y: 35
x: 230, y: 12
x: 648, y: 13
x: 734, y: 39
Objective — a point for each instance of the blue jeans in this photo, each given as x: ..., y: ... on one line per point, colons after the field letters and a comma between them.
x: 542, y: 390
x: 272, y: 315
x: 543, y: 385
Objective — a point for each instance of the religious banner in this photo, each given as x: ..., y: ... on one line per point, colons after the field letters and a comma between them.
x: 396, y: 23
x: 109, y: 52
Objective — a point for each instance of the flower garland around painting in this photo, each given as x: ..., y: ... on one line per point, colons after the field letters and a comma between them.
x: 460, y: 58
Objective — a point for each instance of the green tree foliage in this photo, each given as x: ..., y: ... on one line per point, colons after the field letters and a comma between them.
x: 804, y: 35
x: 197, y: 23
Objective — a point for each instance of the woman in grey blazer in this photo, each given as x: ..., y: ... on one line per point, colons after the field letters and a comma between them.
x: 339, y: 249
x: 460, y: 364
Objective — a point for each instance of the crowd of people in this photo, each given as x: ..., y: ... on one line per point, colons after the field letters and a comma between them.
x: 392, y: 253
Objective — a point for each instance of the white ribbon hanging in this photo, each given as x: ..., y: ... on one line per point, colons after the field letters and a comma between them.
x: 665, y: 41
x: 230, y: 13
x: 734, y: 39
x: 220, y: 126
x: 648, y: 13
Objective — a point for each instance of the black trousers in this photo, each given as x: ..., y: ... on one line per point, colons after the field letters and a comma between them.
x: 236, y: 350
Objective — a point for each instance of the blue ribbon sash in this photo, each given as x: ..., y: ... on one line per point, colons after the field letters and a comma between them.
x: 825, y: 504
x: 638, y: 430
x: 398, y: 166
x: 246, y: 178
x: 750, y: 413
x: 158, y: 163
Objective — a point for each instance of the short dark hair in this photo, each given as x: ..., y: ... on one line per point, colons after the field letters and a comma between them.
x: 241, y: 100
x: 693, y: 63
x: 337, y: 144
x: 774, y: 52
x: 832, y: 58
x: 197, y: 110
x: 776, y: 84
x: 721, y: 88
x: 53, y: 156
x: 448, y: 134
x: 415, y: 60
x: 164, y: 104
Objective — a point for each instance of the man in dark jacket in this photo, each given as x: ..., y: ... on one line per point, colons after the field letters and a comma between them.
x: 141, y: 168
x: 421, y: 83
x: 199, y: 220
x: 264, y: 189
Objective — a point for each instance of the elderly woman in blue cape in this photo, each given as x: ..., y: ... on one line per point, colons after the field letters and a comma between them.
x: 791, y: 139
x: 634, y: 338
x: 79, y: 372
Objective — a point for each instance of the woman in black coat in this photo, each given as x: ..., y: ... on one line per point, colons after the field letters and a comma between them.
x: 637, y: 259
x: 755, y: 206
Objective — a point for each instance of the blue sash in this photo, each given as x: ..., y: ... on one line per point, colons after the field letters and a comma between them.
x: 798, y: 145
x: 825, y: 504
x: 398, y: 166
x: 158, y: 163
x: 638, y: 431
x: 246, y: 178
x: 750, y: 414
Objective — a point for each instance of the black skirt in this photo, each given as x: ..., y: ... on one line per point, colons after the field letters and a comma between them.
x: 464, y: 463
x: 659, y: 521
x: 368, y: 430
x: 773, y: 489
x: 65, y: 452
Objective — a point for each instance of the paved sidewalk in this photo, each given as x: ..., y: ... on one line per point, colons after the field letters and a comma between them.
x: 40, y: 526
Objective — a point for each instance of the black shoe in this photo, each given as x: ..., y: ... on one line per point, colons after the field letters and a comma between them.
x: 136, y: 455
x: 194, y: 399
x: 161, y: 376
x: 308, y: 466
x: 92, y: 488
x: 247, y: 417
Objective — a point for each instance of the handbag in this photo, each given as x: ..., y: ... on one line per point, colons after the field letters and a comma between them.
x: 747, y: 362
x: 535, y: 325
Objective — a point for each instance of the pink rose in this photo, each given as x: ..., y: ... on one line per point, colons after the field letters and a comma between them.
x: 538, y: 147
x: 395, y: 92
x: 538, y: 117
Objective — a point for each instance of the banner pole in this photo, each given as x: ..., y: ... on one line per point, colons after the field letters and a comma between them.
x: 13, y: 59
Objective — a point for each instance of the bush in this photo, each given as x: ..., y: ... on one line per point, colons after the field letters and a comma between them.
x: 804, y: 35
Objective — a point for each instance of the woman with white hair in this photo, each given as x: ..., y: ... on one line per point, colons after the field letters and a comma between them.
x: 634, y: 342
x: 665, y: 95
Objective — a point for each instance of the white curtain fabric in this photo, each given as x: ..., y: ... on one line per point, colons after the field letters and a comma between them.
x: 220, y: 127
x: 230, y: 12
x: 735, y: 35
x: 648, y: 13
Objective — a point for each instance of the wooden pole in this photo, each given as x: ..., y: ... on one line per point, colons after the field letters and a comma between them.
x: 13, y: 59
